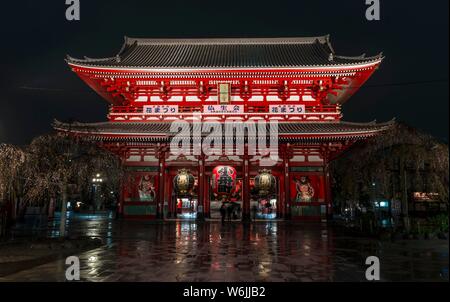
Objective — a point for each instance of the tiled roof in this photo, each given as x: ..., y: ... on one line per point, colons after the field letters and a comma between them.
x: 225, y: 53
x: 160, y: 131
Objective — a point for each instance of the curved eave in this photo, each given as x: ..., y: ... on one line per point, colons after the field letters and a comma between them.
x: 153, y: 70
x: 158, y: 137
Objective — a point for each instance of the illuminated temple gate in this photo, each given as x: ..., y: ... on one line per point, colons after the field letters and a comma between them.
x: 299, y: 82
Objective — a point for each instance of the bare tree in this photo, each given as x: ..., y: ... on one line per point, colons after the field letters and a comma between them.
x: 379, y: 166
x: 52, y: 158
x: 56, y: 162
x: 11, y: 163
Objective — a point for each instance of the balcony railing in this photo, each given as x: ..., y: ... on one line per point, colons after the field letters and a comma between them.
x: 263, y: 109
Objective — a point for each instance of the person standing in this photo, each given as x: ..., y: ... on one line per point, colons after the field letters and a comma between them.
x: 229, y: 212
x: 254, y: 211
x: 223, y: 212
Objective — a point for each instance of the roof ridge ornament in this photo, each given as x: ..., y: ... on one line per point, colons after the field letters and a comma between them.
x: 124, y: 45
x: 69, y: 58
x: 225, y: 53
x: 328, y: 41
x: 86, y: 59
x: 226, y: 41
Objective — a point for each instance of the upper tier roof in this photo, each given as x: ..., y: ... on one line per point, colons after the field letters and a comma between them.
x: 289, y: 52
x: 160, y: 131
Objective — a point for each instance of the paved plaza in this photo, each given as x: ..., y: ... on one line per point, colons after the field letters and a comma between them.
x: 262, y: 251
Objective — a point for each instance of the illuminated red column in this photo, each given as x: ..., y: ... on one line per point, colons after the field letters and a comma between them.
x: 281, y: 198
x: 246, y: 189
x: 207, y: 197
x: 121, y: 198
x: 287, y: 188
x: 328, y: 195
x: 172, y: 199
x: 168, y: 193
x: 161, y: 183
x: 122, y: 192
x: 201, y: 187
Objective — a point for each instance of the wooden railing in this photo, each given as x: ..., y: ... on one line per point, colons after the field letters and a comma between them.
x: 248, y: 109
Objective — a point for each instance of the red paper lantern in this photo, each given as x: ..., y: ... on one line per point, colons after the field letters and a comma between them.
x: 223, y: 181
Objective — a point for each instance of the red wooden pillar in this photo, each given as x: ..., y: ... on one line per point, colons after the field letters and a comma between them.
x: 281, y: 197
x: 287, y: 187
x: 161, y: 183
x: 121, y: 197
x: 201, y: 187
x: 328, y: 195
x: 122, y: 191
x: 207, y: 197
x: 168, y: 194
x: 246, y: 188
x: 172, y: 202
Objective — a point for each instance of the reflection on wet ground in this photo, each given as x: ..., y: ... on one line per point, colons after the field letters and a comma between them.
x: 263, y: 251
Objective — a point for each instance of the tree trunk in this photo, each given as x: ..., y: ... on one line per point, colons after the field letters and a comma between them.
x: 403, y: 183
x: 62, y: 227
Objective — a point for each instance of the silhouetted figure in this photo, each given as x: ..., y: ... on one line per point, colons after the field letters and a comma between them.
x: 223, y: 212
x: 254, y: 211
x: 229, y: 212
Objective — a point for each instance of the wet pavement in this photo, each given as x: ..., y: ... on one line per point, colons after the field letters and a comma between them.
x: 262, y: 251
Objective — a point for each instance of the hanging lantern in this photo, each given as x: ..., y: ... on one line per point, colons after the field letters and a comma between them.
x: 223, y: 181
x: 183, y: 182
x: 265, y: 183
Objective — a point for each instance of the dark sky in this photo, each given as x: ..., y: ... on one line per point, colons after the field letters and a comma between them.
x: 37, y: 86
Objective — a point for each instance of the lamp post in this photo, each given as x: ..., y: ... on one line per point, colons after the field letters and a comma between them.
x: 96, y: 183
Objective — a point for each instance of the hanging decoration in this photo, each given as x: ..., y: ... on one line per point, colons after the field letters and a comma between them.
x: 183, y: 182
x: 223, y: 181
x: 265, y: 183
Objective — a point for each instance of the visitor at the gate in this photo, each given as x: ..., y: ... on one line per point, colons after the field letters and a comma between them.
x: 229, y: 212
x: 254, y: 211
x: 223, y: 212
x: 269, y: 208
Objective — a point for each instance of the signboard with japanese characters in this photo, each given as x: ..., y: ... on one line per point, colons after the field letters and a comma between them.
x: 160, y: 109
x: 287, y: 109
x: 224, y: 90
x: 211, y: 109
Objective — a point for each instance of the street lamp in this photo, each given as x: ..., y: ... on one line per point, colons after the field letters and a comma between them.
x: 97, y: 179
x: 96, y: 182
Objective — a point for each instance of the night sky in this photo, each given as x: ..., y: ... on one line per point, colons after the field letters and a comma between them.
x: 37, y: 85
